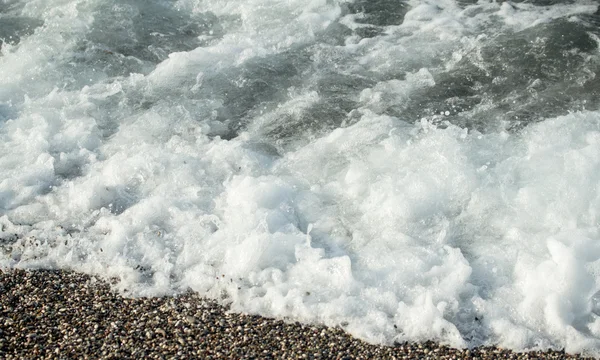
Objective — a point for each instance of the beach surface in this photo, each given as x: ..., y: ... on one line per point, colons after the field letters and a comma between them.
x: 60, y: 315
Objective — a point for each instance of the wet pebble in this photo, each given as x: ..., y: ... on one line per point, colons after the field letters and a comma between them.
x: 55, y: 314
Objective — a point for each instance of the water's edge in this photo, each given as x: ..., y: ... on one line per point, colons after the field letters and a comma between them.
x: 62, y: 313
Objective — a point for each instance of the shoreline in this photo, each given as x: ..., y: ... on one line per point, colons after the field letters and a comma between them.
x: 61, y: 314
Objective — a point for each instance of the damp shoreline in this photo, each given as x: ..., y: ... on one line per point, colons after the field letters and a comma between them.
x: 63, y: 314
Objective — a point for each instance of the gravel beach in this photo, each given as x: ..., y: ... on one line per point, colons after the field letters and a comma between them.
x: 60, y: 315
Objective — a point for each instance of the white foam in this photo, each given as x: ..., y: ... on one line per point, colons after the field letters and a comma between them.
x: 396, y: 229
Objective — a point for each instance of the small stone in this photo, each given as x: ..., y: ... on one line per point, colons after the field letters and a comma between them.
x: 91, y: 319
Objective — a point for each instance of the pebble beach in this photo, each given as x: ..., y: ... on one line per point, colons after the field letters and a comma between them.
x: 49, y: 314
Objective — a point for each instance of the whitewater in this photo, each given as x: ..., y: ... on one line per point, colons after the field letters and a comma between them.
x: 406, y: 170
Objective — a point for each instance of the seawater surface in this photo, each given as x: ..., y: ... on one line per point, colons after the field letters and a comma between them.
x: 407, y: 170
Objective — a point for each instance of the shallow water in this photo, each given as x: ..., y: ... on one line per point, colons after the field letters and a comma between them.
x: 408, y: 170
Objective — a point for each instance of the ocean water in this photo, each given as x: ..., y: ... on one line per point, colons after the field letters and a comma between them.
x: 407, y: 170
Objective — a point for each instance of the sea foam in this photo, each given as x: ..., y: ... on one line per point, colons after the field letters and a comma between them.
x: 428, y: 177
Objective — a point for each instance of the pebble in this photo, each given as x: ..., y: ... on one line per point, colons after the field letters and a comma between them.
x: 47, y: 314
